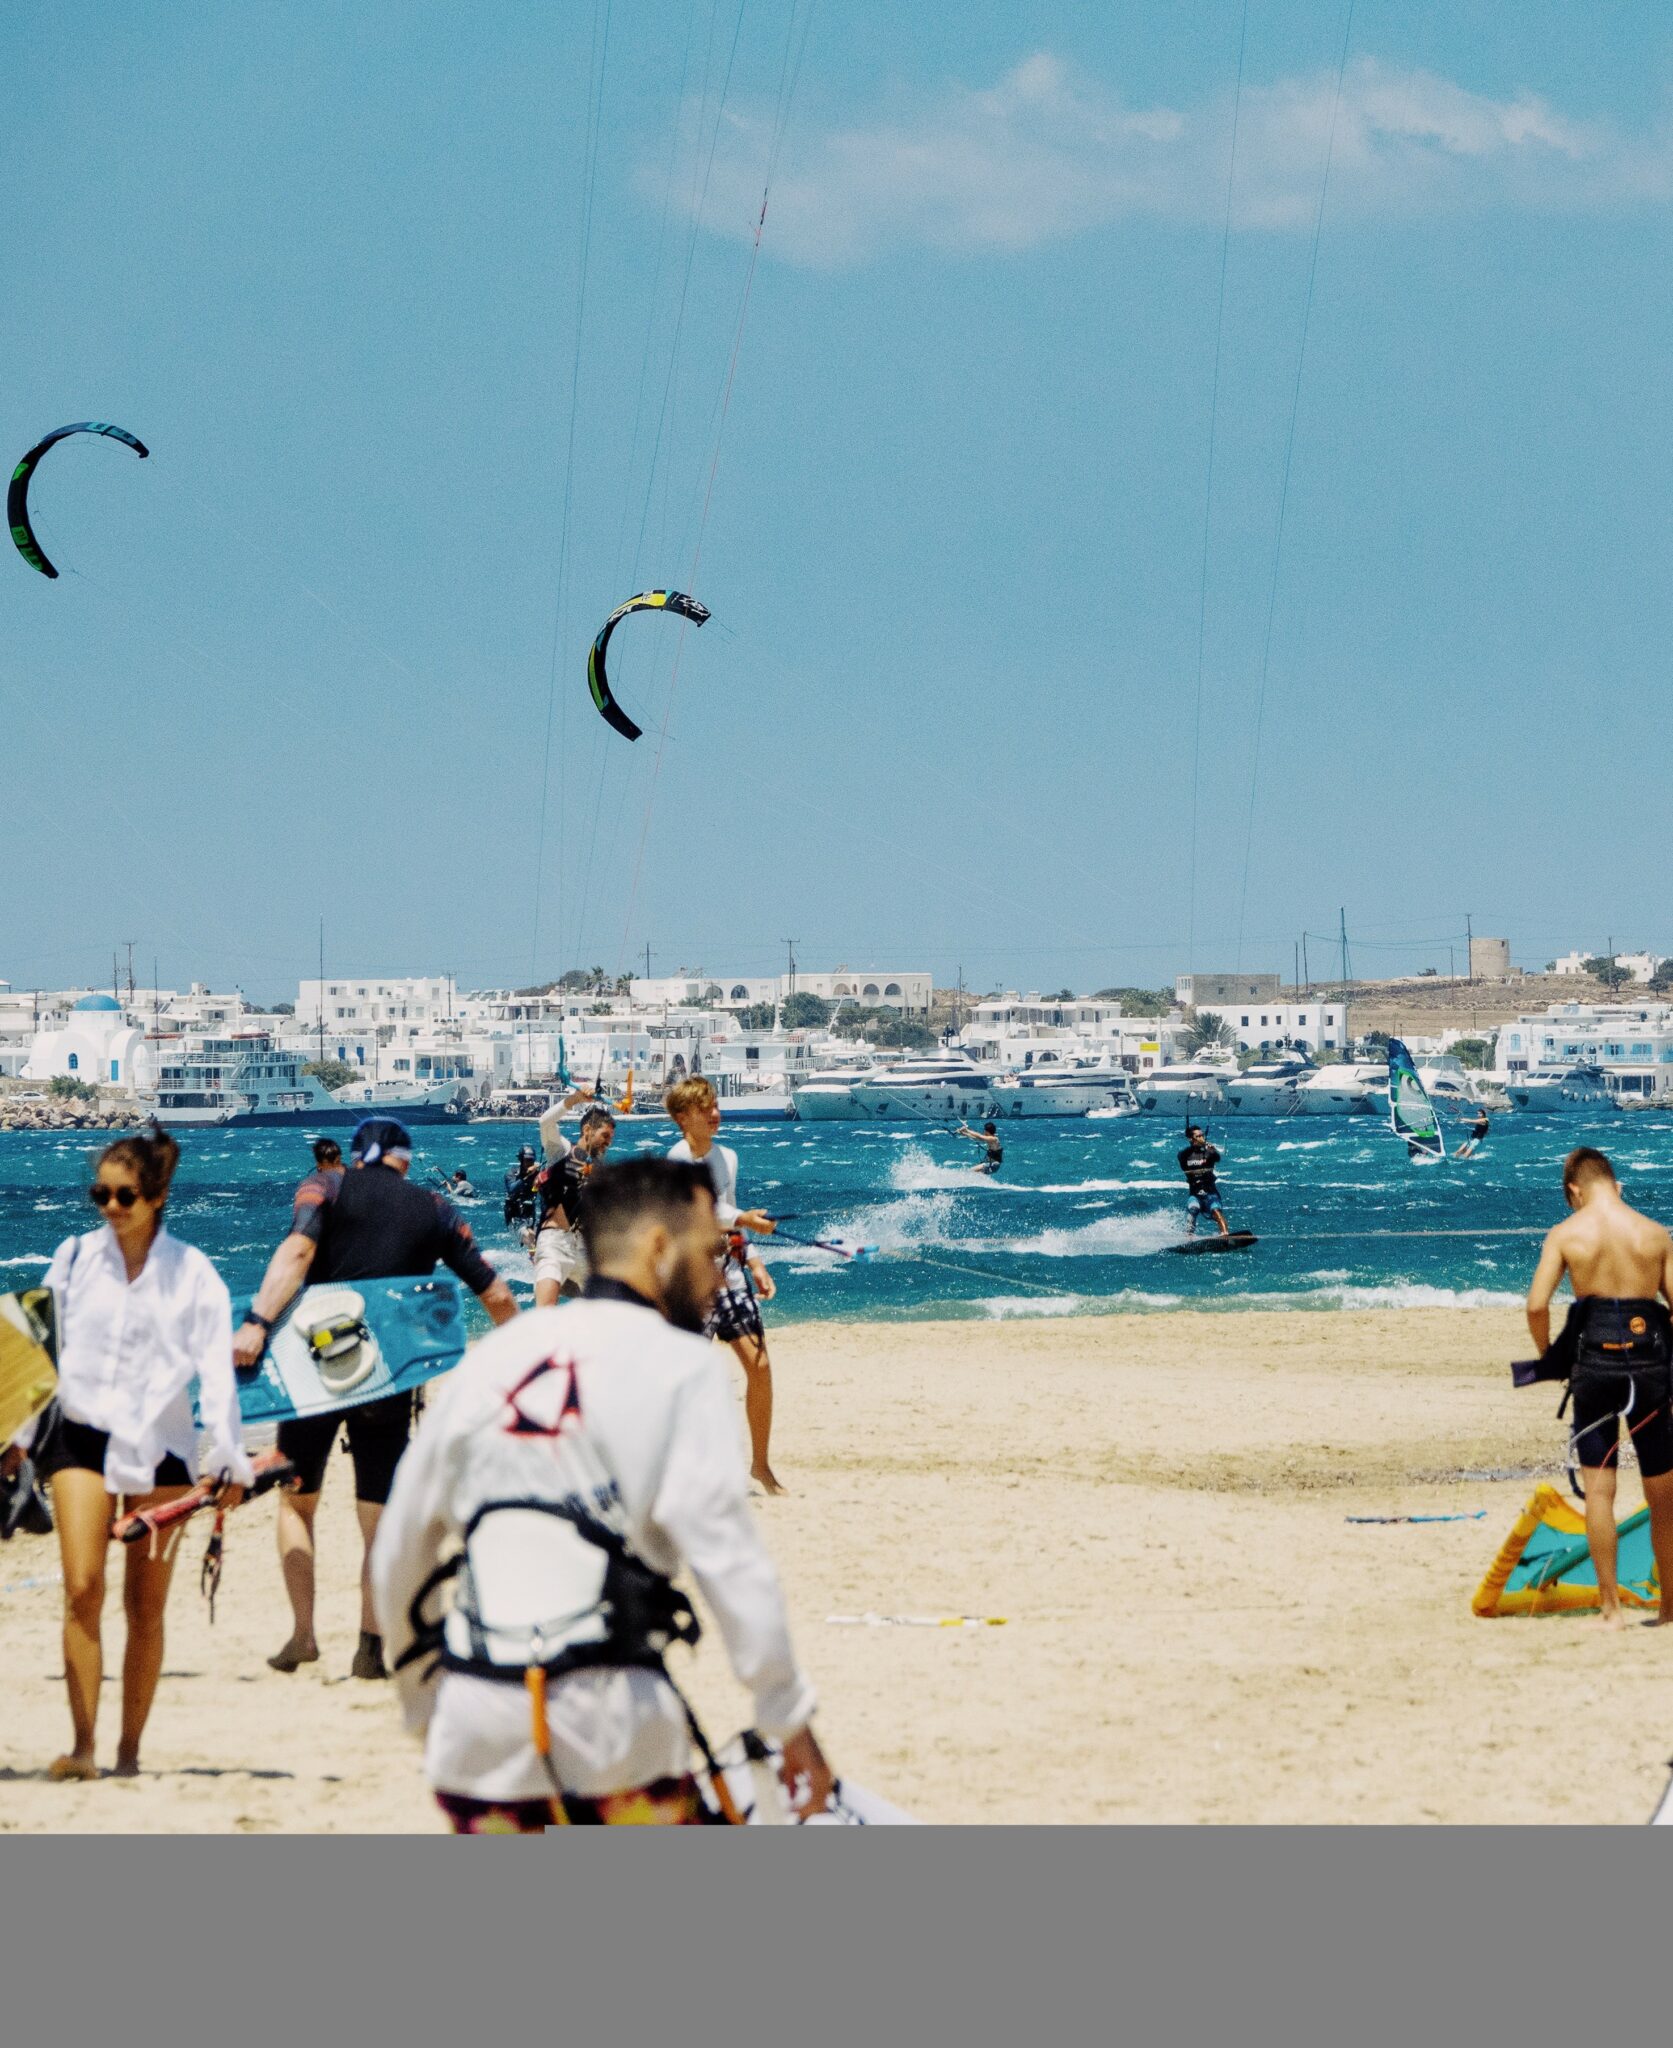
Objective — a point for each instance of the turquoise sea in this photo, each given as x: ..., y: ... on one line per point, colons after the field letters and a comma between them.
x: 1078, y: 1221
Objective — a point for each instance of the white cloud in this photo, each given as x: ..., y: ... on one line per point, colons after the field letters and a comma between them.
x: 1046, y: 153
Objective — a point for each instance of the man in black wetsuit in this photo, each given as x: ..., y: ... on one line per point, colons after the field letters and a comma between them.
x: 988, y: 1135
x: 1197, y: 1162
x: 519, y: 1187
x: 368, y: 1224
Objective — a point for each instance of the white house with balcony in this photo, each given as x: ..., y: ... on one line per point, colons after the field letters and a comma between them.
x: 1631, y: 1042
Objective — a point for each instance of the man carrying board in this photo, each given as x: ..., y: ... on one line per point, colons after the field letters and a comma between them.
x: 370, y: 1224
x: 1619, y: 1341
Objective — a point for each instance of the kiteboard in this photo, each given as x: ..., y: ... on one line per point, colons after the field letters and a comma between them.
x: 340, y: 1345
x: 28, y: 1353
x: 1237, y: 1241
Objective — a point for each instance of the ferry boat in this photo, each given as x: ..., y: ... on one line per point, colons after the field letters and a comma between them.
x: 240, y: 1080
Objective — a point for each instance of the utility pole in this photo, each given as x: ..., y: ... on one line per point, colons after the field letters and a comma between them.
x: 790, y: 948
x: 1469, y: 942
x: 321, y: 1000
x: 130, y: 943
x: 1306, y: 971
x: 115, y: 981
x: 647, y: 959
x: 1343, y: 916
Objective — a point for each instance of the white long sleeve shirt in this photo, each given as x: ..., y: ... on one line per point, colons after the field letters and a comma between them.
x: 129, y: 1352
x: 722, y: 1163
x: 653, y: 1407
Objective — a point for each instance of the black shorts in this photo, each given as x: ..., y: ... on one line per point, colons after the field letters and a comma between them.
x: 79, y: 1447
x: 736, y: 1312
x: 378, y: 1433
x: 1600, y: 1401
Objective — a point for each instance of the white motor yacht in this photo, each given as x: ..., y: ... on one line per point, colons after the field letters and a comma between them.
x: 1336, y: 1091
x: 1268, y: 1088
x: 1565, y: 1091
x: 1193, y: 1088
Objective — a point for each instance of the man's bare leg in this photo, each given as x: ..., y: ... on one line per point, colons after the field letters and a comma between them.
x: 758, y: 1408
x: 368, y: 1658
x: 1658, y: 1496
x: 1225, y: 1227
x: 296, y: 1562
x: 1602, y: 1543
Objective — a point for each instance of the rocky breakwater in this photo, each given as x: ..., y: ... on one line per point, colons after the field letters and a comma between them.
x: 67, y: 1116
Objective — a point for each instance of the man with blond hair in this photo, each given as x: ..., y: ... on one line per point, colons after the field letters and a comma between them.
x: 745, y: 1282
x: 1618, y: 1346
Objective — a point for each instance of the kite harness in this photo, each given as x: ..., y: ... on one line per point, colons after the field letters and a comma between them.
x: 615, y: 1612
x: 1616, y: 1349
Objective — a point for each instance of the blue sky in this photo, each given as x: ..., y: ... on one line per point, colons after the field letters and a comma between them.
x: 327, y: 260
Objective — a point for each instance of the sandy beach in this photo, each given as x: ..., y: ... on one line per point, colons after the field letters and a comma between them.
x: 1156, y: 1503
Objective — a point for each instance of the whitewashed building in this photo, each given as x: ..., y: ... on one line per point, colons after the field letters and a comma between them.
x: 871, y: 988
x: 1631, y: 1042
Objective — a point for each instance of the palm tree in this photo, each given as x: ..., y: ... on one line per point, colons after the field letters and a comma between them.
x: 1206, y: 1031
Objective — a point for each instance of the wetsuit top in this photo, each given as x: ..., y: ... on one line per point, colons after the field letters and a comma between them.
x: 996, y: 1152
x: 1197, y: 1163
x: 1479, y: 1129
x: 562, y: 1186
x: 373, y: 1224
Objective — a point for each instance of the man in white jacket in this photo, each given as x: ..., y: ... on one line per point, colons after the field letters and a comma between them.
x: 581, y: 1457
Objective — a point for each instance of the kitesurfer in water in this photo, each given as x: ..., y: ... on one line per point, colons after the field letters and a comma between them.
x: 988, y: 1135
x: 1477, y: 1138
x: 606, y: 1435
x: 745, y: 1282
x: 1197, y: 1162
x: 370, y: 1224
x: 519, y: 1187
x: 1619, y: 1345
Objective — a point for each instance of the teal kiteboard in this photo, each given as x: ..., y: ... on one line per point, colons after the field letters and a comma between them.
x: 344, y: 1343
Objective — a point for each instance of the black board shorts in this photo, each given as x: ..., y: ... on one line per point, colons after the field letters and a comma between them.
x: 1600, y: 1402
x: 378, y: 1433
x: 79, y: 1447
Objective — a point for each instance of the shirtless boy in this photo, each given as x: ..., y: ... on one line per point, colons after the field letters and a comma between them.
x: 1613, y: 1256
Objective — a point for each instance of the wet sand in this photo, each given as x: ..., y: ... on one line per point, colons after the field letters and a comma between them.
x: 1156, y: 1503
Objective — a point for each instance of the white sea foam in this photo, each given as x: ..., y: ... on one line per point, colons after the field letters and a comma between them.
x: 27, y: 1259
x: 917, y: 1171
x: 1301, y: 1144
x: 1121, y: 1237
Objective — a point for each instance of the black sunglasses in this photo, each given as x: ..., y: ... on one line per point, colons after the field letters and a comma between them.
x: 103, y: 1195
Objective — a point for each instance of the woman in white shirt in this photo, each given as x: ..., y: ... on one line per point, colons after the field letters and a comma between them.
x: 141, y: 1316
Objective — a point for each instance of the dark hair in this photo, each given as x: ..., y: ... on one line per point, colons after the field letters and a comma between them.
x: 595, y: 1117
x: 621, y: 1199
x: 994, y: 1128
x: 327, y: 1152
x: 1586, y: 1163
x: 150, y: 1155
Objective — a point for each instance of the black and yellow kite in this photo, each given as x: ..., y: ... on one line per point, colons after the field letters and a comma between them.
x: 17, y: 497
x: 598, y: 682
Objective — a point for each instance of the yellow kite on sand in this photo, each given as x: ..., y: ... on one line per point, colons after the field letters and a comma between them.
x: 1544, y: 1566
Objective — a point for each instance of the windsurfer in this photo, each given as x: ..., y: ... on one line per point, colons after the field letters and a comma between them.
x: 1477, y: 1138
x: 1620, y: 1344
x: 1197, y: 1162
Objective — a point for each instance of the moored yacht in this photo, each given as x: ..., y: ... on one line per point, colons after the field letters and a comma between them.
x: 1193, y: 1088
x: 1565, y: 1091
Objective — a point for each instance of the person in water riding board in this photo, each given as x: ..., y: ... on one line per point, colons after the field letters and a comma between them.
x: 1477, y: 1138
x: 1197, y: 1162
x: 560, y: 1259
x: 603, y: 1437
x: 745, y: 1282
x: 142, y: 1319
x: 370, y: 1224
x: 1619, y: 1342
x: 988, y: 1135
